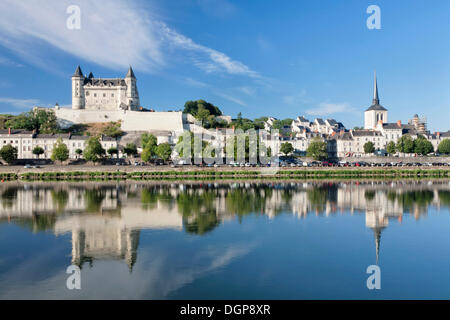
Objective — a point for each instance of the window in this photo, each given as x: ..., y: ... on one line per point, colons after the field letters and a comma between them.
x: 87, y: 93
x: 112, y: 95
x: 104, y: 95
x: 95, y: 95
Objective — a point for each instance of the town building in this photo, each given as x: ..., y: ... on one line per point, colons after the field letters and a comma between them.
x: 25, y: 141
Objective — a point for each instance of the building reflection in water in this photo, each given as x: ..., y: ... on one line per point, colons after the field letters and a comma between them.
x: 105, y: 219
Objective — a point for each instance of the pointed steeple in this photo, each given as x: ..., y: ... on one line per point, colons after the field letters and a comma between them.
x: 78, y: 72
x: 130, y: 73
x: 91, y: 75
x: 377, y: 234
x: 376, y: 99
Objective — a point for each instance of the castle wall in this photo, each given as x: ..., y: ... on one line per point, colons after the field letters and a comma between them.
x: 145, y: 121
x: 68, y: 117
x: 131, y: 120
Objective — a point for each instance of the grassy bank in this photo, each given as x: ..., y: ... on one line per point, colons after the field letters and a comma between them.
x: 231, y: 174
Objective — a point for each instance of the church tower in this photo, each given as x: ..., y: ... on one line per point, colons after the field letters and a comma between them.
x: 376, y: 112
x: 78, y: 89
x: 132, y: 92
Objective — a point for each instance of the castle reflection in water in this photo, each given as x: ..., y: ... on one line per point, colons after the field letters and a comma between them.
x: 105, y: 219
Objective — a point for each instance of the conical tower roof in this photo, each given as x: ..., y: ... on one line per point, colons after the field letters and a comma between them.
x: 376, y: 99
x: 130, y: 73
x: 78, y: 72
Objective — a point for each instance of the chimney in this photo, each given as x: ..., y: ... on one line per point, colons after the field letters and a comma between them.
x: 380, y: 122
x: 304, y: 130
x: 232, y: 128
x: 399, y: 123
x: 438, y: 134
x: 341, y: 132
x: 9, y: 131
x: 333, y: 133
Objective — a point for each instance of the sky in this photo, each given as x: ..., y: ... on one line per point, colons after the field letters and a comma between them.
x: 261, y: 58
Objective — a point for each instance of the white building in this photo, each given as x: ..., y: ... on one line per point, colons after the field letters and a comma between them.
x: 375, y: 113
x: 104, y: 93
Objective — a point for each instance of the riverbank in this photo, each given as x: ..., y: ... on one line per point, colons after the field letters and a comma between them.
x: 158, y: 173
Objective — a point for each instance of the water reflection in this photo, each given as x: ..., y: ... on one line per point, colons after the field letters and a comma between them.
x: 105, y: 220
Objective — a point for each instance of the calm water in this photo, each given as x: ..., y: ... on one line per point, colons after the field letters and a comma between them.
x: 232, y: 241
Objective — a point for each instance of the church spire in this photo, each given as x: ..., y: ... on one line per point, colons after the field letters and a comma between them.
x: 377, y: 234
x: 376, y: 99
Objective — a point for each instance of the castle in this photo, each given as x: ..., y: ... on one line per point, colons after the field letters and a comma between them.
x: 104, y: 94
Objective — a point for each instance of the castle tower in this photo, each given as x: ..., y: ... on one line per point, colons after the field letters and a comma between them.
x: 132, y: 92
x: 77, y: 89
x: 375, y: 113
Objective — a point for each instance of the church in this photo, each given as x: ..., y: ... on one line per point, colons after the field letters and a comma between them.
x: 376, y: 113
x: 105, y: 94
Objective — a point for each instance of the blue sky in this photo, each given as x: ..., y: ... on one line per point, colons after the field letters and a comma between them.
x: 283, y: 59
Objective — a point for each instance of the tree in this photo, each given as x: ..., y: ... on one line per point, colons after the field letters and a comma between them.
x: 112, y: 151
x: 149, y: 144
x: 112, y: 130
x: 192, y: 107
x: 286, y: 148
x: 94, y: 150
x: 317, y: 149
x: 43, y: 121
x: 148, y: 139
x: 38, y: 151
x: 79, y: 152
x: 405, y: 144
x: 8, y: 153
x: 164, y: 151
x: 444, y: 146
x: 423, y: 146
x: 369, y: 147
x: 130, y: 149
x: 60, y: 151
x: 390, y: 148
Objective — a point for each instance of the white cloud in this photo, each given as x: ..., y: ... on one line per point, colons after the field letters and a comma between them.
x: 230, y: 98
x: 218, y: 8
x: 195, y: 83
x: 113, y: 34
x: 297, y: 98
x: 326, y: 108
x: 8, y: 62
x: 19, y: 103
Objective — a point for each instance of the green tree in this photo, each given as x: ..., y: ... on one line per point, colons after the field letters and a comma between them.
x: 113, y: 151
x: 149, y: 144
x: 94, y: 150
x: 148, y: 139
x: 192, y: 107
x: 38, y: 151
x: 286, y: 148
x: 317, y: 149
x: 8, y: 153
x: 43, y: 121
x: 164, y: 151
x: 423, y: 146
x: 444, y: 146
x: 79, y: 152
x: 60, y: 151
x: 405, y: 144
x: 113, y: 130
x: 130, y: 149
x: 390, y: 148
x: 369, y: 147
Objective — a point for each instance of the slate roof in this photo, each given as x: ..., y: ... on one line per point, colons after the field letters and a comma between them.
x: 366, y: 133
